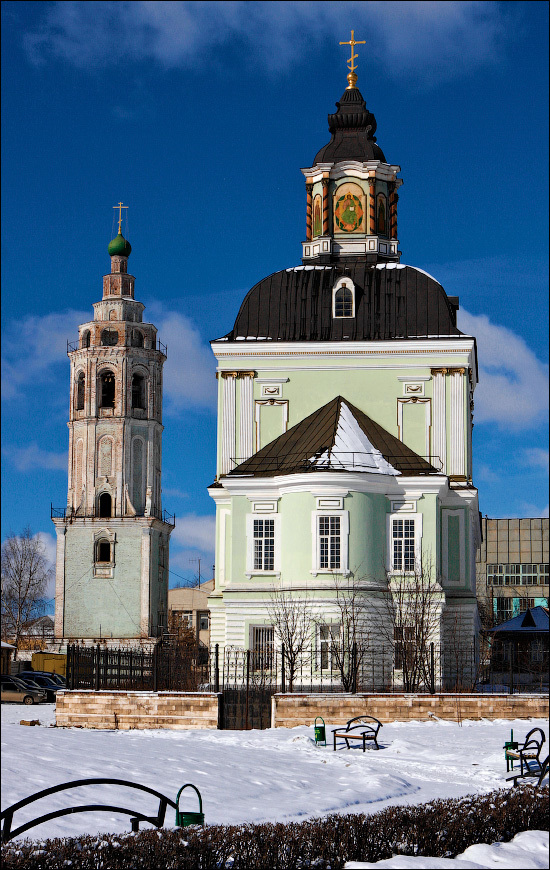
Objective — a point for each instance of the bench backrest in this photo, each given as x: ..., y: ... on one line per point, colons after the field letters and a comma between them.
x: 369, y: 721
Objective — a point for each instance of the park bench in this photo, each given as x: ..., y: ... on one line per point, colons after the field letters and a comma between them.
x: 528, y: 754
x: 362, y: 728
x: 532, y: 771
x: 182, y: 818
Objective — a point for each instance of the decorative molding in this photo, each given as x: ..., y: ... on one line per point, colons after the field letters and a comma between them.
x: 428, y: 421
x: 257, y: 411
x: 445, y: 514
x: 325, y: 503
x: 439, y: 415
x: 228, y: 420
x: 456, y: 467
x: 246, y: 415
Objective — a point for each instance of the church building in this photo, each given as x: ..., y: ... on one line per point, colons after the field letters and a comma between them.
x: 113, y: 536
x: 345, y: 416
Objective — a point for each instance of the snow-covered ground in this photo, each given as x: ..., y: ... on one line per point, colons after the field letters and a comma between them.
x: 254, y: 776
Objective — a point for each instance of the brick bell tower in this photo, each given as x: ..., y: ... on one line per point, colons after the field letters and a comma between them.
x: 113, y: 536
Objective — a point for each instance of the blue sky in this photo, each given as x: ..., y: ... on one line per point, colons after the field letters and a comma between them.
x: 199, y: 117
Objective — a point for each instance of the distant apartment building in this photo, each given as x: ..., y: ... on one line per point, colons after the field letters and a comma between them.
x: 512, y: 566
x: 189, y: 604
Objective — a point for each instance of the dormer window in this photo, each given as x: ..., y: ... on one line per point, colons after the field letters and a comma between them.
x: 343, y: 299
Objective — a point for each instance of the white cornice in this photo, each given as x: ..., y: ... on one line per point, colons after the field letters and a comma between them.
x: 357, y: 168
x: 324, y: 483
x: 424, y: 344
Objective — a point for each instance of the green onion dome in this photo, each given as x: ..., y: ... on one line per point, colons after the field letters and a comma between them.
x: 119, y: 247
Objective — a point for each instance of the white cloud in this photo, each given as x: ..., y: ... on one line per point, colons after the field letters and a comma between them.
x: 33, y: 457
x: 196, y: 532
x: 513, y: 383
x: 34, y: 345
x: 535, y: 457
x: 441, y: 39
x: 49, y: 543
x: 189, y: 372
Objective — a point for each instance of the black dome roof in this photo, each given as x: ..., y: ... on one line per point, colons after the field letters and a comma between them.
x: 391, y: 301
x: 352, y: 128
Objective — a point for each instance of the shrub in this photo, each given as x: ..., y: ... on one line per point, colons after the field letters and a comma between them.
x: 441, y: 828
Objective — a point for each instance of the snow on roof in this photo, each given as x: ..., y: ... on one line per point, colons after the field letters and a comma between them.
x: 352, y: 445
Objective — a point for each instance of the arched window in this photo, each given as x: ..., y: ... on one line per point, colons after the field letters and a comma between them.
x: 85, y: 340
x: 103, y: 550
x: 109, y: 337
x: 104, y: 505
x: 113, y: 315
x: 80, y: 389
x: 381, y: 221
x: 138, y: 392
x: 107, y: 390
x: 137, y: 338
x: 343, y: 301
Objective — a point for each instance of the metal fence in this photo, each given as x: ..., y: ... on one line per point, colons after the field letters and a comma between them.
x: 248, y: 678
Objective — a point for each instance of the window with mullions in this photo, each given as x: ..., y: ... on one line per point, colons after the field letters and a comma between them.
x: 264, y: 545
x: 525, y: 604
x: 517, y: 574
x: 343, y: 302
x: 330, y: 543
x: 329, y: 635
x: 403, y: 544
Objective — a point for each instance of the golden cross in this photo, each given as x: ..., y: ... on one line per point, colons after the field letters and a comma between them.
x: 352, y: 78
x: 120, y: 207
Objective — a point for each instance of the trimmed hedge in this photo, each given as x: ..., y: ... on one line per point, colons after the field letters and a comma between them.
x: 441, y: 828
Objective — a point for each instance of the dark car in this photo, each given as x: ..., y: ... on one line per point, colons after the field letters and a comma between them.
x: 15, y: 690
x: 46, y: 685
x: 54, y: 678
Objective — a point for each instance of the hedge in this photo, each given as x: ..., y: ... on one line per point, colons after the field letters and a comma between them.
x: 441, y: 828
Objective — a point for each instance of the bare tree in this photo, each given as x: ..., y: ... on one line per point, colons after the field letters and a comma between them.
x: 291, y: 617
x: 413, y: 619
x: 25, y: 575
x: 350, y: 648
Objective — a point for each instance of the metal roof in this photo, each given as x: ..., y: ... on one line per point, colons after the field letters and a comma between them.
x: 534, y: 619
x: 305, y: 446
x: 392, y: 301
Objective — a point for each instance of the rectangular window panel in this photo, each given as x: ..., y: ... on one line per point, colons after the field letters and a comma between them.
x: 517, y: 574
x: 264, y: 545
x: 328, y: 636
x: 262, y: 647
x: 403, y: 545
x: 329, y: 543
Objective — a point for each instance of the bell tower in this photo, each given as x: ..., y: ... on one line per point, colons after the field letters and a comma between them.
x: 351, y: 191
x: 113, y: 536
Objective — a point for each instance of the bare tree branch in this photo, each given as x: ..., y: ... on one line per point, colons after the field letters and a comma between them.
x: 25, y: 575
x: 291, y: 617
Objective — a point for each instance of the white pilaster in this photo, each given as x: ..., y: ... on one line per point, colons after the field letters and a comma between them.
x: 247, y: 383
x: 228, y: 421
x: 457, y: 465
x: 439, y: 416
x: 145, y: 580
x: 59, y: 580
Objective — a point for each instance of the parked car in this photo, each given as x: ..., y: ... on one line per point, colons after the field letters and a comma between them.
x: 15, y: 691
x: 55, y: 678
x: 37, y: 681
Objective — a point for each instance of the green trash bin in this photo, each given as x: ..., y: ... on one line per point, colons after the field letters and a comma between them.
x: 183, y: 819
x: 320, y: 731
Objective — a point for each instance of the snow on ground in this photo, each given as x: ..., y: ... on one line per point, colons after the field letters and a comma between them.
x: 527, y: 851
x: 246, y: 776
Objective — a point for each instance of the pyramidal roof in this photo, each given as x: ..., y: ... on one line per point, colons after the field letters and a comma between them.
x: 336, y: 437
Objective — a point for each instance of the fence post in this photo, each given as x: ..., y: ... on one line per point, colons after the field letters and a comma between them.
x: 70, y: 666
x: 217, y: 668
x: 154, y: 668
x: 97, y: 654
x: 354, y: 668
x: 511, y: 668
x: 247, y: 685
x: 432, y: 668
x: 283, y: 674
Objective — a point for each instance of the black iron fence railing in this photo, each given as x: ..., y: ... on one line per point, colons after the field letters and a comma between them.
x: 249, y: 678
x: 69, y: 513
x: 79, y: 344
x: 359, y: 460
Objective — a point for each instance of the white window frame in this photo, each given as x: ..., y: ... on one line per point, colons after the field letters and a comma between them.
x: 335, y: 632
x: 417, y: 540
x: 348, y: 283
x: 445, y: 547
x: 344, y: 542
x: 250, y: 569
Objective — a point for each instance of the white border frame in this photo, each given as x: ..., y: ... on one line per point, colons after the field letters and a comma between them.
x: 250, y: 570
x: 402, y: 515
x: 445, y: 547
x: 343, y: 282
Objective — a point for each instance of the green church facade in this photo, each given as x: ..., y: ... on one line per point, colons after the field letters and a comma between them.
x: 345, y: 416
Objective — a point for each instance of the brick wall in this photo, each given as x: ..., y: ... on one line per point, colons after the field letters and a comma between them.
x: 125, y: 710
x: 297, y: 709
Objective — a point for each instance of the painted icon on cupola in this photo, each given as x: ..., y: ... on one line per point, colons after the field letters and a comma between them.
x: 317, y: 219
x: 381, y: 222
x: 348, y: 209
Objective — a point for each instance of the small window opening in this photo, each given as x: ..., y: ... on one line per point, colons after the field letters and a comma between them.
x: 138, y: 392
x: 107, y: 390
x: 104, y: 505
x: 103, y: 550
x: 109, y: 338
x: 80, y: 388
x: 343, y: 302
x: 137, y: 338
x: 85, y: 341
